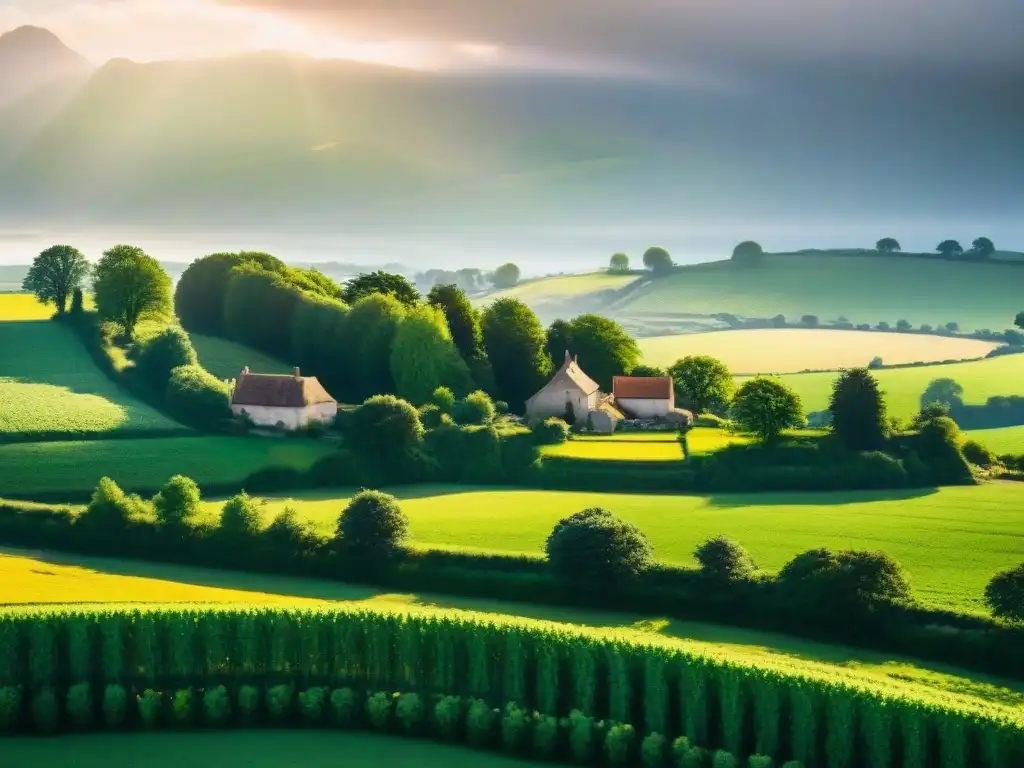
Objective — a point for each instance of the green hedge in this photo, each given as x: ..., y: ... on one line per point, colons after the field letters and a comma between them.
x: 109, y: 667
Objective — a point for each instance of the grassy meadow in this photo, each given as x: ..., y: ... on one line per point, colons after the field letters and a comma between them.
x: 961, y: 536
x: 1001, y: 440
x: 864, y: 289
x: 47, y: 578
x: 789, y: 350
x: 644, y: 446
x: 254, y: 749
x: 49, y: 385
x: 28, y: 470
x: 225, y: 359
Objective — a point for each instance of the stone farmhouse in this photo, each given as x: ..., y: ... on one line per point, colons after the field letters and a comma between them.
x: 644, y: 397
x: 569, y: 386
x: 282, y: 401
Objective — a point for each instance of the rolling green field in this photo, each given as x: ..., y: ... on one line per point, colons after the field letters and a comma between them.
x: 789, y: 350
x: 960, y: 536
x: 226, y: 359
x: 567, y: 287
x: 31, y: 469
x: 1002, y: 440
x: 40, y: 578
x: 49, y: 384
x: 251, y: 748
x: 644, y: 446
x: 903, y: 387
x: 862, y: 289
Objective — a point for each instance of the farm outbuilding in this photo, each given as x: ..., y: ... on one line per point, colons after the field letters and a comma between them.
x: 644, y: 397
x: 569, y: 386
x: 282, y: 401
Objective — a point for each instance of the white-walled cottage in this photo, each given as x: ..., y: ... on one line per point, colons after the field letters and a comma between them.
x: 569, y: 385
x: 644, y: 397
x: 282, y: 401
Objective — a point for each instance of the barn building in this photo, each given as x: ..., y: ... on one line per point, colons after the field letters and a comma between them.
x: 570, y: 385
x: 644, y: 397
x: 282, y: 401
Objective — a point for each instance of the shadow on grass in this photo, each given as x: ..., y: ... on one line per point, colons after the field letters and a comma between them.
x: 816, y: 498
x: 751, y: 644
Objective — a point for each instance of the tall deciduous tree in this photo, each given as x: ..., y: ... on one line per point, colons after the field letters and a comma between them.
x: 703, y: 384
x: 557, y: 341
x: 657, y: 260
x: 1019, y: 320
x: 982, y: 248
x: 619, y: 263
x: 516, y: 346
x: 424, y: 358
x: 131, y: 286
x: 464, y: 325
x: 888, y: 245
x: 858, y: 411
x: 767, y: 407
x: 55, y: 274
x: 603, y: 347
x: 506, y: 276
x: 949, y: 248
x: 386, y: 283
x: 370, y: 329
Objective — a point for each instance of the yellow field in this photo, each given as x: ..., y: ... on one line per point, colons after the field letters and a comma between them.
x: 23, y: 306
x: 790, y: 350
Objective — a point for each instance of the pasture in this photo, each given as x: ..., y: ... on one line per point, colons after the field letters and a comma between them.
x: 251, y: 748
x: 903, y: 387
x: 864, y: 289
x: 961, y: 536
x: 226, y: 359
x: 1002, y: 441
x: 555, y: 290
x: 644, y: 446
x: 790, y: 350
x: 40, y: 577
x: 49, y: 386
x: 32, y: 470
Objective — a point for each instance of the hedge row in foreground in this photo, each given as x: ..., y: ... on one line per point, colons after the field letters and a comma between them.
x: 771, y: 712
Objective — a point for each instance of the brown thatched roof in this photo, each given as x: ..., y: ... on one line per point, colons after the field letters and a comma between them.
x: 642, y: 387
x: 278, y: 391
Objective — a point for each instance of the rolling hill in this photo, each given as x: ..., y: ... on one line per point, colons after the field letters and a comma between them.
x: 32, y: 58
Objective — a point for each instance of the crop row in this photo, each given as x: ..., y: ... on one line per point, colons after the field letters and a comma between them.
x: 655, y: 689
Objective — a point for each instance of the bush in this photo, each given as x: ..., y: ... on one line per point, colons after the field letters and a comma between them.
x: 115, y: 705
x: 1004, y: 595
x: 311, y: 705
x: 618, y: 744
x: 695, y: 757
x: 45, y: 713
x: 344, y: 707
x: 378, y: 710
x: 545, y: 737
x: 409, y: 712
x: 181, y: 706
x: 724, y: 560
x: 653, y: 751
x: 766, y: 407
x: 938, y: 444
x: 197, y: 398
x: 158, y: 356
x: 431, y: 416
x: 150, y: 703
x: 501, y: 407
x: 760, y: 761
x: 979, y: 455
x: 279, y: 702
x: 516, y: 725
x: 474, y: 409
x: 443, y: 399
x: 248, y: 704
x: 178, y: 502
x: 844, y: 583
x: 79, y: 706
x: 550, y: 432
x: 595, y: 549
x: 216, y: 706
x: 386, y: 429
x: 581, y: 737
x: 480, y: 719
x: 372, y: 525
x: 111, y: 509
x: 723, y: 759
x: 448, y: 717
x: 242, y: 516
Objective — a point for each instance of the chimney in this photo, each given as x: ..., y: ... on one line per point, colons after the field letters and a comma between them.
x: 296, y: 373
x: 568, y: 357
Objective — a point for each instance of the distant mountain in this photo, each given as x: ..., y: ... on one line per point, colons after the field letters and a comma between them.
x: 30, y: 58
x: 274, y: 140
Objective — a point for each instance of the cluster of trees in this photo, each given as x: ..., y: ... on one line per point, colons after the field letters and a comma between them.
x: 981, y: 248
x: 655, y: 260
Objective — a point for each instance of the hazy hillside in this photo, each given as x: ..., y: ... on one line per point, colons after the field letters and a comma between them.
x: 31, y: 58
x: 271, y: 138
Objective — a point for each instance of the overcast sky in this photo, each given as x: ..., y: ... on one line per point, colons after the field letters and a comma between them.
x: 659, y: 37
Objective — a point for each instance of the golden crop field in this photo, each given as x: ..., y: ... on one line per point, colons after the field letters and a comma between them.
x: 25, y: 306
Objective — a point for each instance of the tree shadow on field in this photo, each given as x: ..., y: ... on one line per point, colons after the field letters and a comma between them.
x: 751, y: 645
x: 815, y: 498
x: 402, y: 493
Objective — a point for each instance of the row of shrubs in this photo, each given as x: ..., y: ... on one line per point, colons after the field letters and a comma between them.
x: 222, y: 667
x: 593, y: 560
x: 515, y: 730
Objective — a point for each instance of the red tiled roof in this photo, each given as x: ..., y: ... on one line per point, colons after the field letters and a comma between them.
x: 642, y: 387
x: 279, y: 391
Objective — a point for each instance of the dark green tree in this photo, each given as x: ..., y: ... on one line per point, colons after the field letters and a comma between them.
x: 423, y: 356
x: 241, y: 516
x: 858, y: 410
x: 372, y: 526
x: 199, y: 295
x: 944, y: 390
x: 722, y: 559
x: 178, y: 503
x: 385, y: 427
x: 766, y: 407
x: 982, y: 248
x: 55, y: 274
x: 603, y: 347
x: 888, y: 245
x: 949, y: 248
x: 594, y: 549
x: 1019, y: 320
x: 657, y: 260
x: 748, y: 253
x: 158, y: 356
x: 369, y: 328
x: 259, y: 309
x: 77, y: 302
x: 703, y: 384
x: 516, y: 346
x: 506, y: 276
x: 131, y: 286
x: 1004, y: 595
x: 619, y: 263
x: 386, y: 283
x: 648, y: 370
x: 557, y: 342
